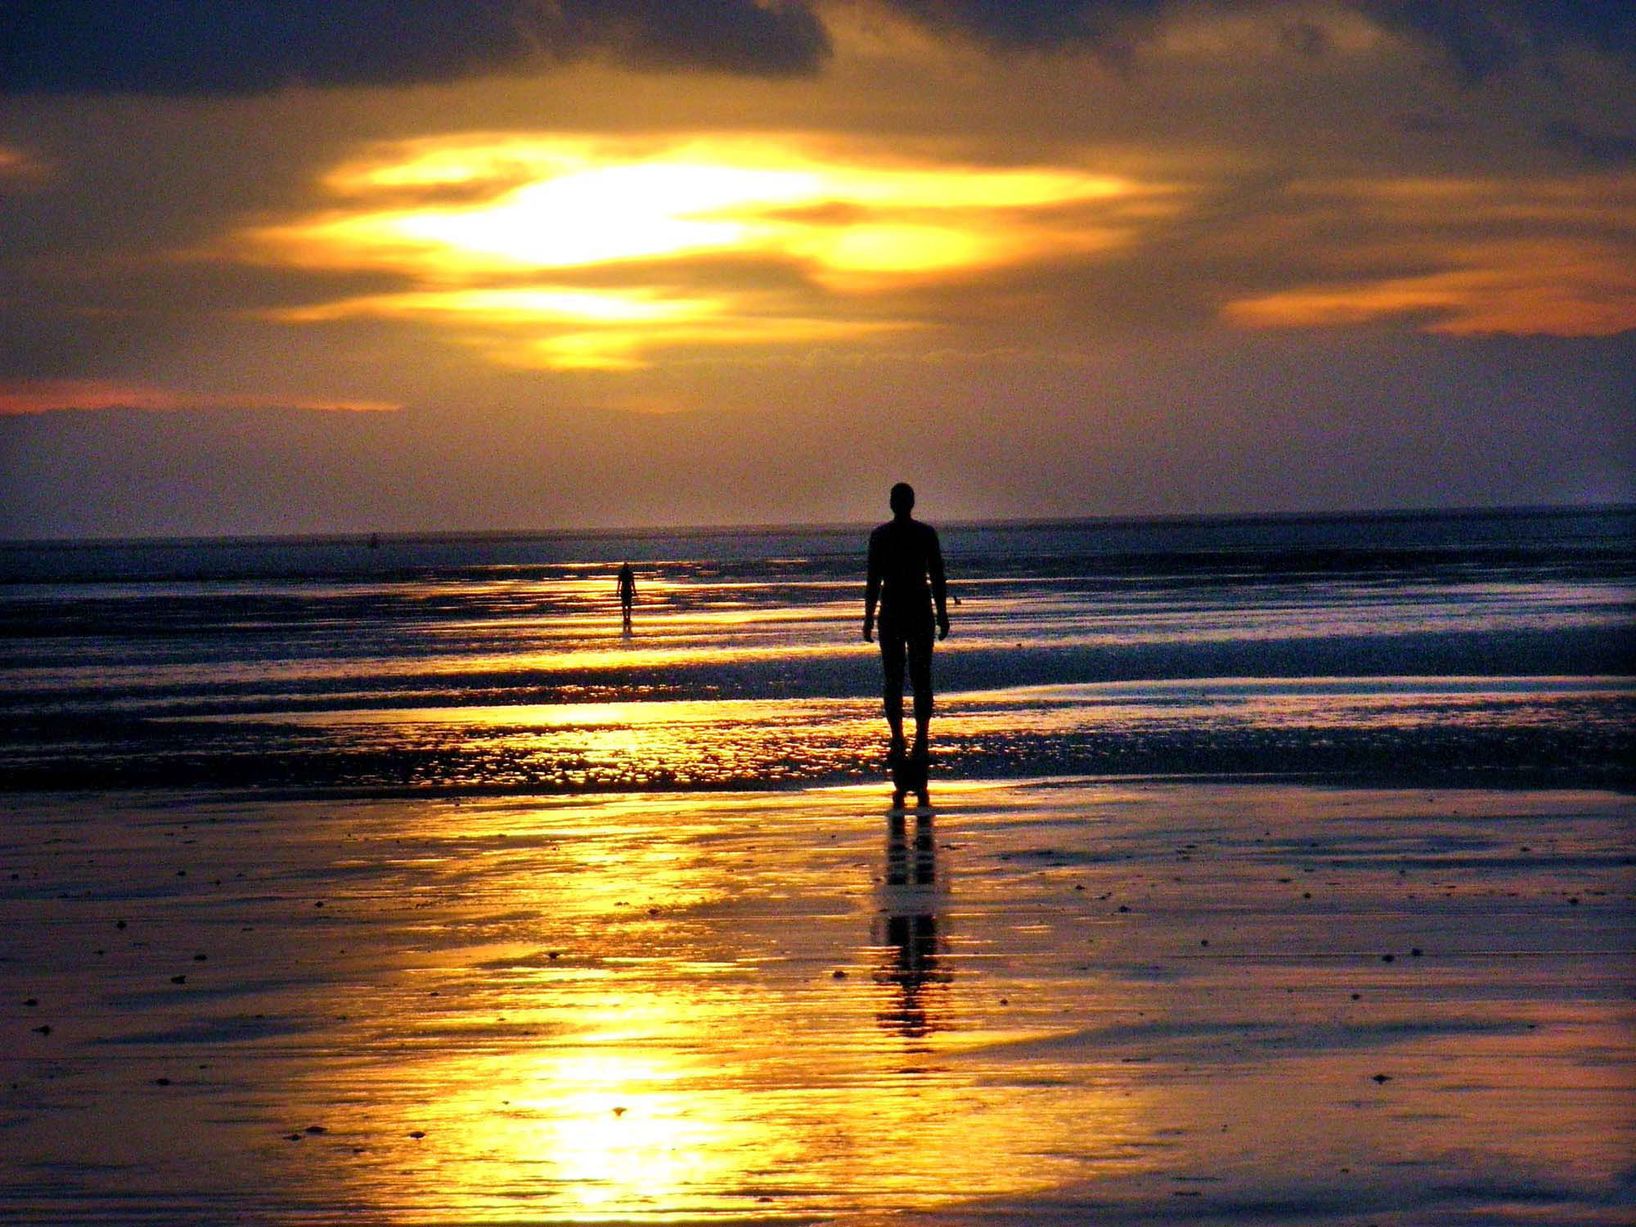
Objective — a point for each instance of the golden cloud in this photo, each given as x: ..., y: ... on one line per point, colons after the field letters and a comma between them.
x: 1553, y: 257
x: 49, y: 395
x: 564, y: 252
x: 17, y: 166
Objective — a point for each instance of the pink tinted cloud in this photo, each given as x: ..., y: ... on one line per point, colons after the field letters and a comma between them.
x: 54, y: 395
x: 17, y: 167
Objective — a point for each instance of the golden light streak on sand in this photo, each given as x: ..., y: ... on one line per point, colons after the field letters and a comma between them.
x: 463, y: 218
x: 652, y: 1069
x: 1113, y: 1000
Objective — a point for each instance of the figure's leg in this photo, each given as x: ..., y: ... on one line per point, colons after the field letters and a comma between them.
x: 892, y: 657
x: 920, y: 677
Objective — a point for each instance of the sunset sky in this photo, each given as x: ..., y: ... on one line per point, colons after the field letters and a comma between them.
x: 365, y: 265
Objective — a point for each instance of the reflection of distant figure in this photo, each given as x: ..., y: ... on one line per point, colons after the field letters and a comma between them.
x: 910, y: 942
x: 906, y: 580
x: 627, y: 594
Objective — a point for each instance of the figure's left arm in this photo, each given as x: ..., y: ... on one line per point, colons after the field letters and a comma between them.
x: 940, y: 586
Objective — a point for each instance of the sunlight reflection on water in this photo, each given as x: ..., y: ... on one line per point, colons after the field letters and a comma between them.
x: 1065, y: 996
x: 734, y: 742
x: 661, y: 1039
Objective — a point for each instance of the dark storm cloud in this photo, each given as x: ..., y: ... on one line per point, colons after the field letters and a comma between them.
x: 180, y: 47
x: 1111, y: 25
x: 1594, y: 148
x: 1476, y: 38
x: 175, y: 47
x: 1481, y: 39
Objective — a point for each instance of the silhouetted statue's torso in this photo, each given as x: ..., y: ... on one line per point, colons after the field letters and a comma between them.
x: 904, y: 556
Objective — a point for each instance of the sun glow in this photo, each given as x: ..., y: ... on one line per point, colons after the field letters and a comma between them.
x: 570, y: 252
x: 627, y: 1026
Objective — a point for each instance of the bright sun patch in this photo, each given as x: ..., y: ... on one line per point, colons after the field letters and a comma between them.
x: 570, y: 252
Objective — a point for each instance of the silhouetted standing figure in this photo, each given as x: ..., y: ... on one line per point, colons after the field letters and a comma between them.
x: 906, y: 582
x: 627, y: 594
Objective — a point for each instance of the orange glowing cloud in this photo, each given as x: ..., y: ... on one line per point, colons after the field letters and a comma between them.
x: 1554, y: 258
x: 567, y: 252
x: 52, y: 395
x: 18, y: 167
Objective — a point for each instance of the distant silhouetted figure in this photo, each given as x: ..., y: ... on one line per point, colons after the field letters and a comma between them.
x: 906, y: 581
x: 627, y: 594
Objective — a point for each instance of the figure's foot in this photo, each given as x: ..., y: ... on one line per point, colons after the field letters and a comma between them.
x: 923, y: 799
x: 915, y: 770
x: 898, y: 796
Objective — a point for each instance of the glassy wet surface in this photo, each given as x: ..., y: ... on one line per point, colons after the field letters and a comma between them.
x: 1059, y: 1000
x: 1503, y: 643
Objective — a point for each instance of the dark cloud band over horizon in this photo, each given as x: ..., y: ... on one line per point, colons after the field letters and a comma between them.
x: 238, y: 47
x: 228, y: 47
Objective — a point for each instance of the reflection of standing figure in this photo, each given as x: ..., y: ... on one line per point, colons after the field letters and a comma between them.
x: 906, y: 580
x: 911, y: 944
x: 627, y: 594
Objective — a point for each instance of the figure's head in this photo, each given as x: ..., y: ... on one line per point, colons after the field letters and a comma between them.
x: 902, y: 498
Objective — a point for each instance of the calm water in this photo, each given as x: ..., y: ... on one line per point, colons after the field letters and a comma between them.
x: 1464, y: 645
x: 395, y: 884
x: 1113, y: 1003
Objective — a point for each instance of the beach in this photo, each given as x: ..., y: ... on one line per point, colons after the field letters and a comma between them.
x: 1276, y: 871
x: 1061, y: 1000
x: 901, y: 613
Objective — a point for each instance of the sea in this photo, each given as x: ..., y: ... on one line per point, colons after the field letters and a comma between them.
x: 1496, y: 648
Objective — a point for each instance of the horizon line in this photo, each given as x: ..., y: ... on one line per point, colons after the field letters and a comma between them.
x: 816, y: 526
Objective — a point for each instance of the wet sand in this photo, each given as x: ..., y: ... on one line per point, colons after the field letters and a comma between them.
x: 1049, y: 1001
